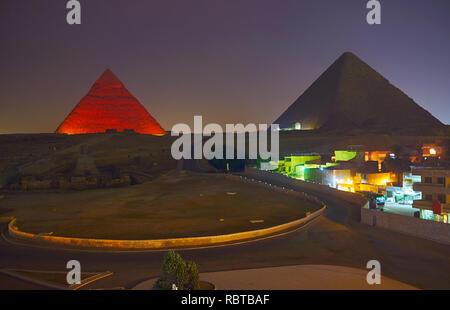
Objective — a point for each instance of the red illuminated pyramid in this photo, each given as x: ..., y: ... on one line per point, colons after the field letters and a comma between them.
x: 109, y: 105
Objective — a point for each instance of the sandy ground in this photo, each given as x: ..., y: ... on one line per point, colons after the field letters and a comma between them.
x: 301, y: 277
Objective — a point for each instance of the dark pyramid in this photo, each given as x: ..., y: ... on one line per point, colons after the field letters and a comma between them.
x: 351, y: 95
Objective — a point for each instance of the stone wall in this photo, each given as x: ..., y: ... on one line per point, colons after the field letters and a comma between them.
x: 354, y: 202
x: 276, y: 188
x: 30, y: 183
x: 435, y: 231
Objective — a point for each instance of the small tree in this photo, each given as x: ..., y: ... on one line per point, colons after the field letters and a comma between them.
x: 179, y: 272
x: 193, y: 281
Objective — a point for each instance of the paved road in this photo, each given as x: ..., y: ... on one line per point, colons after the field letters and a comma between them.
x: 10, y: 283
x: 334, y: 239
x: 303, y: 277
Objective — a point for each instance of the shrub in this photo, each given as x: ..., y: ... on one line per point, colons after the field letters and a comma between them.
x: 179, y: 272
x: 193, y: 281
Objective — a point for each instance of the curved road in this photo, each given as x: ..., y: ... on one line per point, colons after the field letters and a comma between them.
x: 334, y: 239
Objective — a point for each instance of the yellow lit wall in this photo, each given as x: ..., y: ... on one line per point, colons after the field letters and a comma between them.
x: 379, y: 178
x: 342, y: 175
x: 378, y: 156
x: 447, y: 184
x: 369, y: 188
x: 346, y: 187
x: 431, y: 150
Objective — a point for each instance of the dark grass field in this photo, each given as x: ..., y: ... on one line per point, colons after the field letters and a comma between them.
x: 177, y: 204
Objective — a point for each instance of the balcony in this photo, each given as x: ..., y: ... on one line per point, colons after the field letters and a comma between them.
x: 425, y: 204
x: 432, y: 188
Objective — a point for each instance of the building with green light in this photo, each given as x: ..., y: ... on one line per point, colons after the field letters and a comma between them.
x: 344, y: 155
x: 310, y: 167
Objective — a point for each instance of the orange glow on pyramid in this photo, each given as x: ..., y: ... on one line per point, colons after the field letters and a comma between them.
x: 109, y: 105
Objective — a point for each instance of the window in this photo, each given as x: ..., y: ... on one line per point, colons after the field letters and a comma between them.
x: 428, y: 197
x: 441, y: 198
x: 426, y: 215
x: 441, y: 181
x: 428, y: 180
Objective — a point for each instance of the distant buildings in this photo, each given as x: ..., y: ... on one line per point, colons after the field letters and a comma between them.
x: 378, y: 156
x: 432, y: 150
x: 435, y: 187
x: 404, y: 195
x: 407, y: 188
x: 353, y: 171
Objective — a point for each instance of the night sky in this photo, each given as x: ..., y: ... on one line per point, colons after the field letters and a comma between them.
x: 228, y: 60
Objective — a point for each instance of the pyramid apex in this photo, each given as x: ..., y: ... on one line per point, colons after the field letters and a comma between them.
x: 108, y: 78
x: 348, y: 55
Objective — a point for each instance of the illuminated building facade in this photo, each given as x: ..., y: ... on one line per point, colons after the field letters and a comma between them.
x: 341, y: 173
x: 378, y: 156
x: 344, y: 155
x: 424, y: 192
x: 432, y: 150
x: 404, y: 195
x: 434, y: 183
